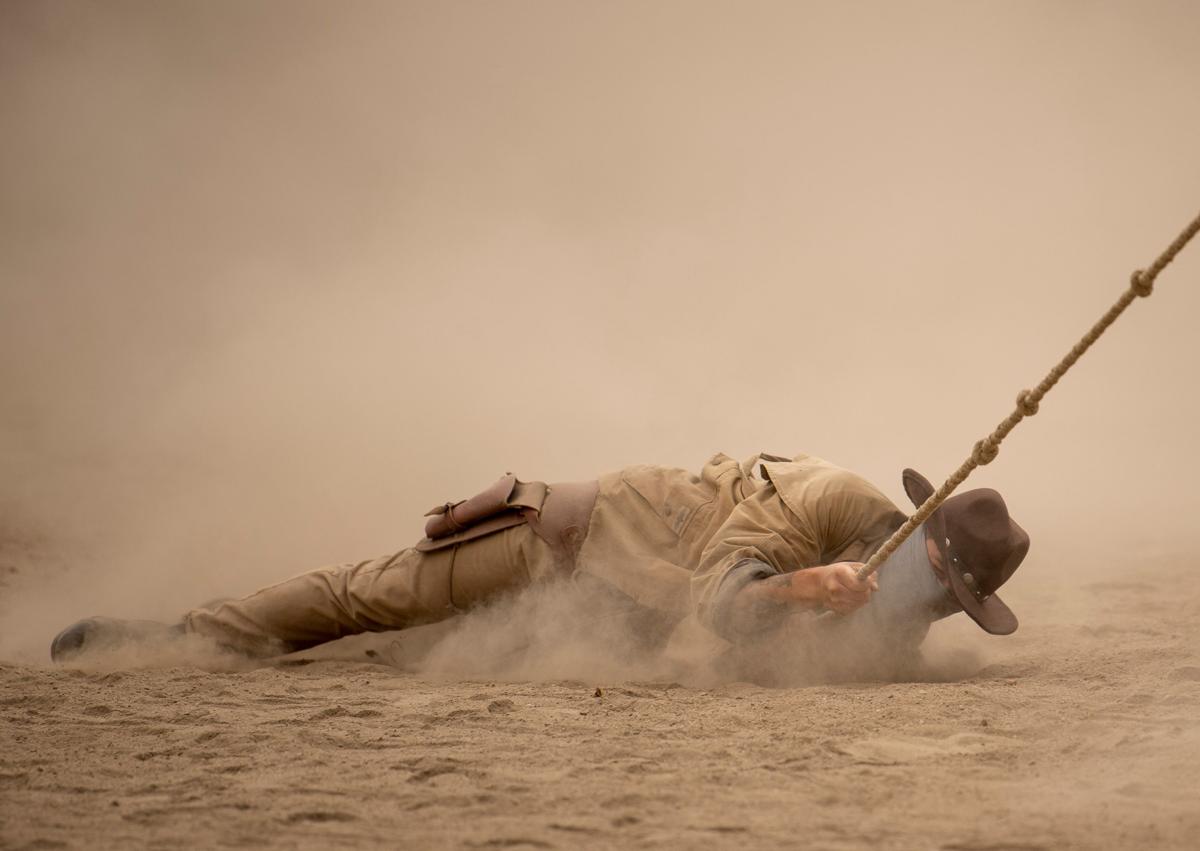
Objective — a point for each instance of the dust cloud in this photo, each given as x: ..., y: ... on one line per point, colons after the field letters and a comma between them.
x: 276, y: 277
x: 579, y: 630
x: 574, y: 631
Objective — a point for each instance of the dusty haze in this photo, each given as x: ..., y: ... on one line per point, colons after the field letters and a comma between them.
x: 276, y: 277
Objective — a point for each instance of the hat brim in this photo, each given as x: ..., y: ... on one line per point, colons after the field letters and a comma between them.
x: 993, y: 615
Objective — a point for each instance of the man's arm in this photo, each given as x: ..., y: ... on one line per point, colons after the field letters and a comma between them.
x: 764, y: 562
x: 831, y: 586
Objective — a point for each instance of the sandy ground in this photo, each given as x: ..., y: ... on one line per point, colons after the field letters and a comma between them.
x: 1080, y: 731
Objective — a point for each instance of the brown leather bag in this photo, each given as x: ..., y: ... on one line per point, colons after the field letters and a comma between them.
x: 506, y: 503
x: 559, y: 514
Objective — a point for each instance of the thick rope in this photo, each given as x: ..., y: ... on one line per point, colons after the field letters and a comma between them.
x: 1141, y: 284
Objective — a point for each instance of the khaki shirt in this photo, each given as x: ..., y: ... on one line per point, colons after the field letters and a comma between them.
x: 670, y: 539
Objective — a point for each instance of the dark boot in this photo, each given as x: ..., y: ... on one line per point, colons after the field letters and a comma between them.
x: 109, y: 634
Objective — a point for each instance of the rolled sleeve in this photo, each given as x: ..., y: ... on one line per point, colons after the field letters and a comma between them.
x: 740, y: 575
x: 759, y: 539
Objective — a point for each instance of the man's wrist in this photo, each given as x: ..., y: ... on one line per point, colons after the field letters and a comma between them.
x: 799, y: 589
x: 763, y: 603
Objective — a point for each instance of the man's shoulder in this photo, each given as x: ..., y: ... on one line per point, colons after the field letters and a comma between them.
x: 806, y: 480
x: 715, y: 467
x: 804, y: 469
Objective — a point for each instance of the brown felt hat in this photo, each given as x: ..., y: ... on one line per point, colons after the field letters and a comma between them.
x: 981, y: 545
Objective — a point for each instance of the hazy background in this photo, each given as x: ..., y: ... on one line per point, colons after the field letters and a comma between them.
x: 276, y: 277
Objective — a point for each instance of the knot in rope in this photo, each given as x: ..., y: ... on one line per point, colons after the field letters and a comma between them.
x: 1141, y: 283
x: 985, y: 451
x: 1026, y: 403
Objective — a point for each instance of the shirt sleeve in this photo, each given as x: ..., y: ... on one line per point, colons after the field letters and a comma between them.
x: 846, y: 510
x: 761, y: 537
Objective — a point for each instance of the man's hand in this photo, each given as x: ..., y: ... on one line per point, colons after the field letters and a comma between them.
x: 841, y: 589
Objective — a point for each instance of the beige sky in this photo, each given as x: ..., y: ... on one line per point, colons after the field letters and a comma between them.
x: 276, y: 277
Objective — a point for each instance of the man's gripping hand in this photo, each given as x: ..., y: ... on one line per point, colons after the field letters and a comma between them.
x: 840, y: 588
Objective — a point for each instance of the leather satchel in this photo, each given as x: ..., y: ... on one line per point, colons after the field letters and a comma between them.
x: 508, y: 502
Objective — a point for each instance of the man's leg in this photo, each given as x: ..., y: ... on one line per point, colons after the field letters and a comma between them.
x: 393, y: 592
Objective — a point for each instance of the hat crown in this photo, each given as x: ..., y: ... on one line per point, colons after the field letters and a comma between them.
x: 984, y: 541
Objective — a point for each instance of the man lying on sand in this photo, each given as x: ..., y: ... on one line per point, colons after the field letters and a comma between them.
x: 734, y: 551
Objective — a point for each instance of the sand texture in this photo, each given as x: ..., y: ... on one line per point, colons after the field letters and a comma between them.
x: 1080, y: 731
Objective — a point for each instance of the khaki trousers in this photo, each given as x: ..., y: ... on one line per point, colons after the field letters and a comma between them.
x: 406, y: 589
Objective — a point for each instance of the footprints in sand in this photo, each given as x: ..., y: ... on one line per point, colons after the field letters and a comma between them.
x: 425, y: 769
x: 342, y: 712
x: 464, y: 716
x: 898, y: 750
x: 1187, y: 673
x: 319, y: 816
